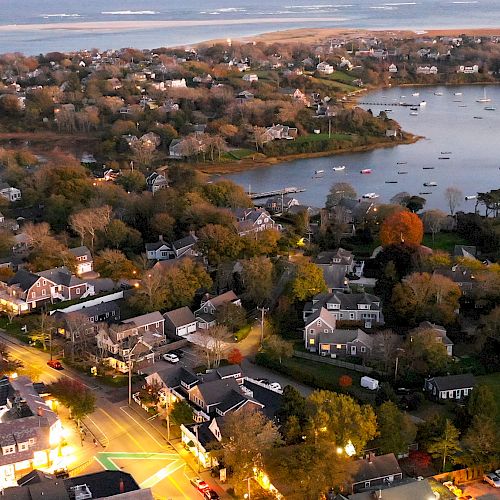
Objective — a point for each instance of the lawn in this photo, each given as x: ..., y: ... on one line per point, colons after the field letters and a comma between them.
x: 239, y: 154
x: 324, y: 137
x: 493, y: 382
x: 334, y: 85
x: 340, y: 76
x: 444, y: 241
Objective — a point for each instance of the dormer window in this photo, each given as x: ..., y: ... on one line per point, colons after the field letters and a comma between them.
x: 8, y: 450
x: 23, y: 446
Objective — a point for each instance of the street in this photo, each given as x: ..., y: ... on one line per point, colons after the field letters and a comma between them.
x: 124, y: 437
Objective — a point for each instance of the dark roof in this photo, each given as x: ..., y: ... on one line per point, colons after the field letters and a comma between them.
x: 415, y: 490
x: 35, y: 476
x: 5, y: 390
x: 105, y: 483
x: 156, y: 245
x: 463, y: 250
x: 347, y: 301
x: 24, y: 279
x: 228, y: 370
x: 345, y: 336
x: 374, y: 467
x: 81, y: 251
x: 269, y: 398
x: 205, y: 435
x: 179, y: 317
x: 232, y: 401
x: 61, y: 276
x: 457, y: 274
x: 452, y: 382
x: 184, y: 242
x: 345, y: 257
x: 216, y: 391
x: 97, y: 310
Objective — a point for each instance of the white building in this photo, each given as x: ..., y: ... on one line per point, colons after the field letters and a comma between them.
x: 393, y: 68
x: 468, y: 70
x: 325, y: 68
x: 251, y: 77
x: 427, y: 70
x: 9, y: 193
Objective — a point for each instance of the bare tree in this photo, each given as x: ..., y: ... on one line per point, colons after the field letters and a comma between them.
x: 78, y: 331
x: 454, y: 198
x: 219, y: 336
x: 433, y: 221
x: 90, y: 220
x: 385, y: 344
x: 259, y: 137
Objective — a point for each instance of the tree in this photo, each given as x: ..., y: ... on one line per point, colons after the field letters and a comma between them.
x: 292, y: 404
x: 397, y: 431
x: 424, y: 353
x: 433, y: 221
x: 163, y: 224
x: 132, y: 181
x: 230, y: 315
x: 257, y: 278
x: 385, y: 343
x: 235, y: 357
x: 151, y: 294
x: 446, y: 446
x: 482, y: 402
x: 339, y: 420
x: 44, y: 330
x: 481, y: 443
x: 339, y: 191
x: 454, y: 198
x: 219, y: 243
x: 307, y: 281
x: 7, y: 242
x: 79, y: 399
x: 213, y: 345
x: 90, y: 220
x: 8, y: 365
x: 402, y: 227
x: 114, y: 264
x: 415, y: 203
x: 182, y: 413
x: 278, y: 348
x: 247, y: 435
x: 259, y: 137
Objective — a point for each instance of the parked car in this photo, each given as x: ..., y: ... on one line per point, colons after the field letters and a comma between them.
x: 199, y: 484
x: 276, y: 386
x: 171, y: 358
x: 492, y: 479
x: 56, y: 364
x: 178, y: 352
x: 211, y: 495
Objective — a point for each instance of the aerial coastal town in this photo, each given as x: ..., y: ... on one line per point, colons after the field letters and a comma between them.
x: 167, y: 333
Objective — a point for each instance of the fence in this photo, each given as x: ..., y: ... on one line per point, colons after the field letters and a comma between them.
x: 461, y: 476
x: 332, y: 361
x: 89, y: 303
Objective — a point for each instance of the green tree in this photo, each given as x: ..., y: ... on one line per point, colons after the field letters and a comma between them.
x: 338, y: 419
x: 396, y: 428
x: 79, y: 399
x: 8, y: 365
x: 481, y: 443
x: 424, y: 353
x: 257, y: 277
x: 445, y: 446
x: 226, y: 194
x: 132, y: 181
x: 219, y: 243
x: 307, y: 282
x: 278, y: 348
x: 482, y: 402
x: 182, y: 413
x: 163, y: 224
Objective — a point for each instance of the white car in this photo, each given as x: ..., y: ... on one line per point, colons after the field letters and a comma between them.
x: 492, y: 479
x: 275, y: 386
x: 170, y: 358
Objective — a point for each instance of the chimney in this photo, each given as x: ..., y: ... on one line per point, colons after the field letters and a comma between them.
x: 39, y: 411
x: 122, y: 486
x: 160, y: 237
x: 371, y: 457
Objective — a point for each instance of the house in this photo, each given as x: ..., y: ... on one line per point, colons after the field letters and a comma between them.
x: 30, y: 432
x: 155, y: 182
x: 136, y: 338
x: 460, y: 275
x: 84, y: 260
x: 178, y: 148
x: 161, y: 250
x: 106, y: 484
x: 322, y: 336
x: 414, y: 490
x: 180, y: 322
x: 440, y: 333
x: 252, y: 220
x: 176, y: 84
x: 244, y: 96
x: 205, y: 315
x: 250, y: 77
x: 336, y: 265
x: 348, y: 307
x: 427, y: 70
x: 279, y: 204
x: 390, y: 132
x: 393, y: 68
x: 280, y: 132
x: 325, y: 68
x: 468, y: 70
x: 185, y: 247
x: 450, y: 387
x: 374, y: 471
x: 26, y: 291
x: 345, y: 64
x: 296, y: 95
x: 9, y: 193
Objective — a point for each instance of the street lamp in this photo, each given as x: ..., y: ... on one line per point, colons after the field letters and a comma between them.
x: 130, y: 374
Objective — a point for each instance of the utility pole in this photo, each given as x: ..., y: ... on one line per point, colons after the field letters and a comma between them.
x: 247, y: 495
x: 263, y: 310
x: 130, y: 377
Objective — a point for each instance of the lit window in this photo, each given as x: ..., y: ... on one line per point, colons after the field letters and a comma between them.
x: 23, y: 446
x: 339, y: 346
x: 8, y: 450
x: 311, y: 341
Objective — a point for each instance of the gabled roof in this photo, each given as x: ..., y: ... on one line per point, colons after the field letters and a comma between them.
x: 345, y: 257
x: 374, y: 467
x: 24, y: 279
x: 339, y: 336
x: 61, y: 276
x: 145, y: 319
x: 180, y: 317
x: 416, y: 490
x: 216, y: 391
x: 187, y: 241
x: 322, y: 314
x: 228, y: 370
x: 224, y: 298
x: 452, y: 382
x: 153, y: 247
x: 347, y: 301
x: 81, y: 251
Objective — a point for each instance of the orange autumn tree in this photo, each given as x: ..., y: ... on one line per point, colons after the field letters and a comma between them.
x: 402, y: 227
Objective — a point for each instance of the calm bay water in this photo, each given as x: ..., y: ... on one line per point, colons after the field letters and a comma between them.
x: 447, y: 126
x: 418, y: 14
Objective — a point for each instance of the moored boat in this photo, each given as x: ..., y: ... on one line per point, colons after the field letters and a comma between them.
x: 339, y: 168
x: 317, y: 172
x: 484, y: 98
x: 366, y: 171
x: 423, y: 103
x: 370, y: 196
x: 430, y: 184
x: 401, y: 173
x: 471, y: 197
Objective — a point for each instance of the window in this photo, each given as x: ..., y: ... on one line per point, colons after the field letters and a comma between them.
x: 451, y: 394
x: 31, y: 441
x: 351, y: 315
x: 33, y: 295
x: 8, y: 450
x: 44, y: 292
x: 157, y: 324
x: 311, y: 331
x: 319, y: 323
x: 339, y: 346
x: 363, y: 349
x: 326, y: 330
x: 78, y: 291
x: 311, y: 341
x: 23, y: 446
x: 38, y: 284
x: 44, y: 282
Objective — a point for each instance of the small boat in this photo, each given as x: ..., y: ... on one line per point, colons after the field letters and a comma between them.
x: 370, y: 196
x: 457, y: 100
x: 443, y: 157
x: 470, y: 197
x: 413, y: 113
x: 391, y: 182
x: 478, y: 117
x: 401, y: 162
x: 416, y: 94
x: 430, y: 184
x: 457, y: 93
x: 446, y: 152
x: 403, y: 97
x: 427, y: 168
x: 339, y: 168
x: 462, y: 106
x: 438, y: 93
x: 400, y: 173
x: 318, y: 172
x: 425, y: 192
x: 388, y: 110
x: 484, y: 98
x: 490, y: 108
x: 414, y: 108
x: 366, y: 171
x: 423, y: 103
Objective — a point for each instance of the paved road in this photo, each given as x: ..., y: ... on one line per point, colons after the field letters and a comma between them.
x: 124, y: 436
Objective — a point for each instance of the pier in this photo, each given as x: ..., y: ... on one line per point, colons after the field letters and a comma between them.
x: 275, y: 192
x: 404, y: 104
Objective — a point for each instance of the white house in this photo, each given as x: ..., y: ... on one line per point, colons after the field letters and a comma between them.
x: 427, y: 70
x: 176, y: 84
x: 9, y: 193
x: 205, y: 315
x: 251, y: 77
x: 468, y: 70
x: 393, y: 68
x: 450, y: 387
x: 325, y: 68
x: 84, y: 260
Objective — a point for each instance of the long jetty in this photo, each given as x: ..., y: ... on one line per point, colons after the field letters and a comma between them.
x: 275, y: 192
x: 405, y: 104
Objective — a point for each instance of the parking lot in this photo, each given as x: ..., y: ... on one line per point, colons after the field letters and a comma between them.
x: 481, y: 491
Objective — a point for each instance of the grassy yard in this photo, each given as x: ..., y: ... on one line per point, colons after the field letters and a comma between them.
x: 340, y: 76
x: 239, y: 154
x: 493, y: 382
x: 444, y: 241
x: 324, y: 137
x: 333, y: 84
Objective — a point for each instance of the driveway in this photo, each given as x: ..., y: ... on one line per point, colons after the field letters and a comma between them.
x: 481, y: 491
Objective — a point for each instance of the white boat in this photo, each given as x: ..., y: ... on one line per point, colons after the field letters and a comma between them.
x: 339, y: 168
x: 370, y: 196
x: 416, y: 94
x: 366, y: 171
x: 413, y: 113
x: 458, y: 93
x: 430, y: 184
x: 319, y: 172
x: 490, y: 108
x: 470, y: 197
x: 484, y: 98
x: 423, y: 103
x: 438, y: 93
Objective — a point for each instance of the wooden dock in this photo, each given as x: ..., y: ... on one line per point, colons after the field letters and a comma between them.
x: 276, y: 192
x: 404, y: 104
